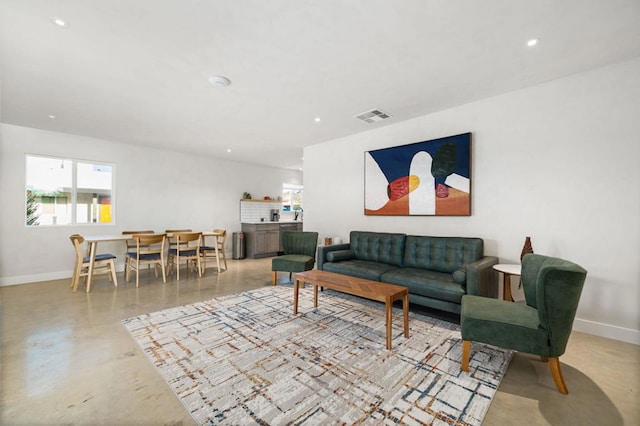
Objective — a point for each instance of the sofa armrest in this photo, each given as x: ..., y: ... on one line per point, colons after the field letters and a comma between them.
x: 482, y: 279
x: 323, y: 250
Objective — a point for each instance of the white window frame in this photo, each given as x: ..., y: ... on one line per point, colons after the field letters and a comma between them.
x: 74, y: 190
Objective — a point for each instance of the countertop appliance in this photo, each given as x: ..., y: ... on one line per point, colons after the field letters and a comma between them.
x: 275, y: 215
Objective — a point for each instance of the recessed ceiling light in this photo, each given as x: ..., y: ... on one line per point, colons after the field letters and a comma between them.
x: 229, y: 150
x: 532, y: 42
x: 51, y: 116
x: 60, y: 22
x: 219, y: 81
x: 317, y: 119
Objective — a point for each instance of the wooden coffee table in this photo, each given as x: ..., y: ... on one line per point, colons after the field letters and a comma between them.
x: 373, y: 290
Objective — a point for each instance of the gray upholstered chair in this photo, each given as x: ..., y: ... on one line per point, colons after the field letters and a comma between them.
x: 541, y: 327
x: 299, y: 253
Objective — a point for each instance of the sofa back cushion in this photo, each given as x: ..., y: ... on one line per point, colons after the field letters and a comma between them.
x: 378, y: 246
x: 442, y: 254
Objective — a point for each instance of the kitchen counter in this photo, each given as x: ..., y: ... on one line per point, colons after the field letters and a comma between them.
x: 266, y: 222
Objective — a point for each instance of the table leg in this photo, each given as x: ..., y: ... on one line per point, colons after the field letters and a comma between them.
x: 92, y: 257
x: 295, y: 297
x: 506, y: 290
x: 315, y: 295
x: 388, y: 305
x: 405, y: 314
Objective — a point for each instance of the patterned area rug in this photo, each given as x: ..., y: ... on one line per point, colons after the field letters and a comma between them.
x: 246, y: 359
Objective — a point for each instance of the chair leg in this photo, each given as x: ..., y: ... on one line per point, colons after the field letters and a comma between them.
x: 169, y: 265
x: 164, y: 275
x: 466, y: 351
x: 76, y: 276
x: 554, y: 365
x: 274, y: 278
x: 224, y: 257
x: 112, y: 267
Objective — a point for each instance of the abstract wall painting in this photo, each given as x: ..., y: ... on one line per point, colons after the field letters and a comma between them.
x: 430, y: 178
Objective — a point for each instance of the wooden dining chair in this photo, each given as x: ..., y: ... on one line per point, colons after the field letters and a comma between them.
x: 103, y: 264
x: 149, y: 250
x: 171, y: 239
x: 130, y: 245
x: 209, y: 252
x: 187, y: 249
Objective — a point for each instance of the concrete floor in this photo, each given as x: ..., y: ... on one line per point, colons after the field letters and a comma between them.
x: 66, y: 359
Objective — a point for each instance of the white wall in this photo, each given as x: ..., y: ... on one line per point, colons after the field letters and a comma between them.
x: 558, y: 162
x: 155, y: 189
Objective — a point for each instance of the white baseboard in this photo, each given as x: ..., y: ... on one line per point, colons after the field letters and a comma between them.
x: 49, y: 276
x: 609, y: 331
x: 26, y: 279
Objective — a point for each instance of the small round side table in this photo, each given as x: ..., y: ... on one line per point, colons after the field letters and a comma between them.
x: 508, y: 269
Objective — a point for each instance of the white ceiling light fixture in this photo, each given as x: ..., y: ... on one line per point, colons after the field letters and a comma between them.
x: 532, y: 42
x: 372, y: 116
x: 60, y: 22
x: 219, y: 81
x: 317, y: 119
x: 51, y: 116
x: 229, y: 150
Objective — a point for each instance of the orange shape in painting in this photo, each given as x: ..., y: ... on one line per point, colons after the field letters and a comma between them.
x: 399, y: 207
x: 402, y: 186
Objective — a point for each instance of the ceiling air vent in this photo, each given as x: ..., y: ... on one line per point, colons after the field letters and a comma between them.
x: 372, y: 116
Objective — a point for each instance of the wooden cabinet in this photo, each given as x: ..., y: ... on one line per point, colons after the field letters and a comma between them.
x: 264, y: 239
x: 267, y: 241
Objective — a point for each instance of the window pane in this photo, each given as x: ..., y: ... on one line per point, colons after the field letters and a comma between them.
x: 94, y: 191
x: 49, y: 185
x: 62, y: 191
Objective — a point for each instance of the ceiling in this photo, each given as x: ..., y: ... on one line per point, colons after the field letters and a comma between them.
x: 137, y: 71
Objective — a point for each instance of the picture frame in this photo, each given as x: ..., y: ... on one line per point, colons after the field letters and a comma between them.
x: 428, y: 178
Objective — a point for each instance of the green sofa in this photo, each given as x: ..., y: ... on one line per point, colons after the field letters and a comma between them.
x: 438, y: 271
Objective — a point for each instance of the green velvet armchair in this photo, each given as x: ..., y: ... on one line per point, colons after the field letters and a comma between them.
x: 299, y: 253
x: 542, y: 326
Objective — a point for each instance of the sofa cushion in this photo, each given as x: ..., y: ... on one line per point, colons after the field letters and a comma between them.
x: 359, y: 268
x: 441, y: 254
x: 378, y: 246
x: 459, y: 276
x: 340, y: 255
x: 436, y: 285
x: 292, y: 263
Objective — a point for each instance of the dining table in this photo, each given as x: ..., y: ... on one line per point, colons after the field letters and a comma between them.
x: 93, y: 240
